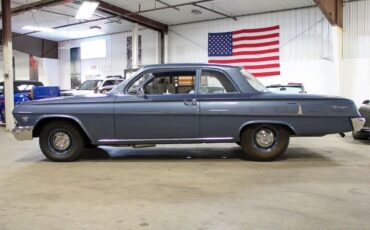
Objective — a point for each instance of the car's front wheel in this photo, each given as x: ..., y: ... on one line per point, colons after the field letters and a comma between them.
x: 61, y: 141
x: 264, y: 142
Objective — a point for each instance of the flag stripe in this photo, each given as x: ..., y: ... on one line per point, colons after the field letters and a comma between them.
x: 220, y: 61
x: 250, y: 67
x: 238, y: 57
x: 254, y: 71
x: 244, y: 38
x: 256, y: 30
x: 254, y: 41
x: 276, y: 50
x: 258, y: 63
x: 262, y: 44
x: 255, y: 34
x: 267, y: 74
x: 256, y: 48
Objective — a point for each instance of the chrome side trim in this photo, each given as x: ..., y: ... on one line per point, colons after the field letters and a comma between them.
x: 357, y: 123
x: 167, y: 139
x: 22, y: 133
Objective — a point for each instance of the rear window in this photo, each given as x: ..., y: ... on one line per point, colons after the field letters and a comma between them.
x: 254, y: 82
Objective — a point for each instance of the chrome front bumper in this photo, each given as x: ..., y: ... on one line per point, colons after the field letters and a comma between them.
x: 357, y: 123
x: 22, y: 133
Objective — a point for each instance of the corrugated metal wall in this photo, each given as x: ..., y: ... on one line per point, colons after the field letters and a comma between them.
x: 305, y: 34
x: 356, y: 34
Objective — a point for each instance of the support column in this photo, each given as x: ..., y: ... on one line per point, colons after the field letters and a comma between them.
x: 135, y: 46
x: 158, y: 53
x: 165, y: 48
x: 8, y: 65
x: 338, y: 57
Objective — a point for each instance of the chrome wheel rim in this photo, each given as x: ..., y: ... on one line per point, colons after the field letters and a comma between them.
x: 61, y: 141
x: 265, y: 138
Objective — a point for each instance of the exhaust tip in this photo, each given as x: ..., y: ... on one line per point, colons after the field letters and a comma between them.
x: 342, y: 134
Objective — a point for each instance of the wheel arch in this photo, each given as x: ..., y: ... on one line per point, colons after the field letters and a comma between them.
x: 44, y: 120
x: 266, y: 122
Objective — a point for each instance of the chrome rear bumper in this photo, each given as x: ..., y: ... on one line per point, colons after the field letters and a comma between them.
x: 357, y: 123
x: 22, y: 133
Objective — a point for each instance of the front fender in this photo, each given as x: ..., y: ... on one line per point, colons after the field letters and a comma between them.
x: 44, y: 118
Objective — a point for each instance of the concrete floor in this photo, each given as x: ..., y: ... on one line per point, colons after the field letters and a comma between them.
x: 321, y: 183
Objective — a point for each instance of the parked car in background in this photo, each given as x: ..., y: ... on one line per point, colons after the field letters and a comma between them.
x: 290, y: 88
x: 109, y: 85
x: 92, y: 86
x: 364, y: 133
x: 25, y: 90
x: 183, y: 103
x: 87, y: 87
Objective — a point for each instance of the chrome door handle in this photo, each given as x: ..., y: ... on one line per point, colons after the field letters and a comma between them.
x: 192, y: 102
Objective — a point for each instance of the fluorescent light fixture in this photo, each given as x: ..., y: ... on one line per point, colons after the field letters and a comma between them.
x: 86, y: 10
x: 39, y: 29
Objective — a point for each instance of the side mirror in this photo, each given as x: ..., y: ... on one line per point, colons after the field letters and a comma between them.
x: 140, y: 92
x: 366, y: 102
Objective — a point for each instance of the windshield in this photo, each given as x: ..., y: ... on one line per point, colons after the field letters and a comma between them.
x: 256, y: 84
x: 286, y: 89
x: 90, y: 84
x: 118, y: 89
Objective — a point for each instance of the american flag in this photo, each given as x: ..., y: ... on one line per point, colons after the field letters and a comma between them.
x: 257, y: 50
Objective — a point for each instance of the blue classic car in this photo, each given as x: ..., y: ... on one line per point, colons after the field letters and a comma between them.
x: 183, y: 103
x: 22, y: 90
x: 26, y: 90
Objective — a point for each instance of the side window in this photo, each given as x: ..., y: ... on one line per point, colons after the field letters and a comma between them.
x: 215, y: 82
x: 174, y: 82
x: 108, y: 82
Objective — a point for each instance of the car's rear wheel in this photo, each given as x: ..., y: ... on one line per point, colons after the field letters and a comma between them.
x: 360, y: 135
x: 264, y: 142
x: 61, y: 141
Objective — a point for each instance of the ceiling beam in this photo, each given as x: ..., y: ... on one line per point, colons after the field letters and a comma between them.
x: 131, y: 16
x: 70, y: 24
x: 333, y: 11
x: 172, y: 6
x: 169, y: 5
x: 38, y: 6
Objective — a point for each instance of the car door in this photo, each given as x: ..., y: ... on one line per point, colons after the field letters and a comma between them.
x: 218, y: 96
x: 167, y: 110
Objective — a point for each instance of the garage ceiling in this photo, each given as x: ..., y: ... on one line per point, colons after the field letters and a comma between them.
x: 230, y: 7
x: 67, y: 27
